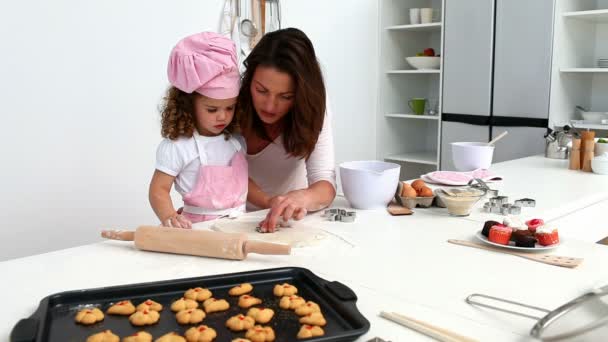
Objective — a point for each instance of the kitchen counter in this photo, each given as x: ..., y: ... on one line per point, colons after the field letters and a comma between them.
x: 393, y: 263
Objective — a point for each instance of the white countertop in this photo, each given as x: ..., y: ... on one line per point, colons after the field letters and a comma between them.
x: 401, y: 264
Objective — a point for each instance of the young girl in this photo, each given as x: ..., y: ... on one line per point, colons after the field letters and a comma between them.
x: 200, y: 154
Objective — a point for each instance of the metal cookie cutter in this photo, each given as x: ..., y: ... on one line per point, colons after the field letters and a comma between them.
x: 525, y: 202
x: 499, y: 200
x: 510, y: 209
x: 340, y: 215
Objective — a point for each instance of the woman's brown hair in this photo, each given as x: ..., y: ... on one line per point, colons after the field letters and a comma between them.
x: 178, y: 118
x: 290, y: 51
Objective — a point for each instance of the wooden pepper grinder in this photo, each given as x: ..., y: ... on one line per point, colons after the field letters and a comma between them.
x: 587, y: 146
x: 575, y: 155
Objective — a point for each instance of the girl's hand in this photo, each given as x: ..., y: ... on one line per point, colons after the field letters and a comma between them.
x: 289, y: 206
x: 177, y: 221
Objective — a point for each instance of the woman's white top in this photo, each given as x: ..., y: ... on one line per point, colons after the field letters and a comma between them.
x: 277, y: 173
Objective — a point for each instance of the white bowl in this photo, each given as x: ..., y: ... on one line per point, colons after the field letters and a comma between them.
x: 594, y: 117
x: 423, y: 62
x: 600, y: 148
x: 469, y: 156
x: 599, y: 165
x: 369, y: 184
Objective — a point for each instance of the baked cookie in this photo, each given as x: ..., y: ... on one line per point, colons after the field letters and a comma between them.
x: 140, y: 336
x: 202, y: 333
x: 124, y: 308
x: 291, y: 302
x: 284, y: 289
x: 150, y: 305
x: 214, y: 305
x: 260, y: 334
x: 308, y: 307
x: 261, y: 315
x: 315, y: 318
x: 308, y: 331
x: 240, y: 289
x: 170, y: 337
x: 198, y: 294
x: 241, y: 340
x: 183, y: 304
x: 104, y: 336
x: 240, y: 323
x: 247, y: 301
x: 191, y: 316
x: 145, y: 317
x: 89, y: 316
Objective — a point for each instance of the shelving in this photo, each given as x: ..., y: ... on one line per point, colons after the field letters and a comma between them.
x: 585, y: 70
x: 412, y: 116
x: 402, y: 137
x: 598, y: 16
x: 417, y: 27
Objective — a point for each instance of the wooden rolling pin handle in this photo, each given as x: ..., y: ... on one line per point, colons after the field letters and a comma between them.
x: 122, y: 235
x: 260, y: 247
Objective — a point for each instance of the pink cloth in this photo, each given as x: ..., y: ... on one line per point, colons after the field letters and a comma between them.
x: 218, y: 188
x: 460, y: 178
x: 206, y: 63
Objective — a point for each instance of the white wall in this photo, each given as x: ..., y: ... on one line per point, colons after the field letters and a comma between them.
x: 79, y: 88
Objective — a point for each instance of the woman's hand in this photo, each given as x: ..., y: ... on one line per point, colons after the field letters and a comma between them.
x: 177, y: 221
x: 285, y: 207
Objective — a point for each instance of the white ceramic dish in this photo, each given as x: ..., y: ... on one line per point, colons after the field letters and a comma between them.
x: 469, y: 156
x: 594, y: 117
x: 600, y: 148
x: 599, y: 165
x: 424, y: 62
x: 369, y: 184
x: 511, y: 244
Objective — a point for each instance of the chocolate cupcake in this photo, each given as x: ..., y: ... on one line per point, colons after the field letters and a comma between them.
x: 486, y: 227
x: 524, y: 238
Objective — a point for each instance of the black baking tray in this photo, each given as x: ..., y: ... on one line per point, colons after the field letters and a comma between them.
x: 54, y: 318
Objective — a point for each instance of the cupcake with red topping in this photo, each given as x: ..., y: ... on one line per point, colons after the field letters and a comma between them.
x: 500, y: 234
x: 547, y: 236
x: 487, y: 225
x: 533, y: 224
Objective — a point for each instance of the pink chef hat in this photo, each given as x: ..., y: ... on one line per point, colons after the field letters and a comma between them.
x: 206, y: 63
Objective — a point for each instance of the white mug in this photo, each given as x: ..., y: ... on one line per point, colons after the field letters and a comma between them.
x: 426, y: 15
x: 414, y: 16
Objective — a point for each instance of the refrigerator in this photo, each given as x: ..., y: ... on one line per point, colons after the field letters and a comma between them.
x: 496, y: 75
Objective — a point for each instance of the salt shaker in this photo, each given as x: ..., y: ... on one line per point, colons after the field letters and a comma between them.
x: 575, y: 155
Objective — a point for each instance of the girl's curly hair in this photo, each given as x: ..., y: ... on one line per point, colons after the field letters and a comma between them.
x: 177, y: 115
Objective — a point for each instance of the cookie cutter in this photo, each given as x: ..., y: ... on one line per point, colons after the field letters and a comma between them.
x: 499, y: 200
x: 510, y: 209
x: 280, y: 224
x: 502, y: 209
x: 526, y: 202
x: 477, y: 183
x: 339, y: 215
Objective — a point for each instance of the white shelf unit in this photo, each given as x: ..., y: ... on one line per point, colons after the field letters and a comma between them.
x: 402, y: 137
x: 598, y: 16
x: 584, y: 70
x: 580, y: 39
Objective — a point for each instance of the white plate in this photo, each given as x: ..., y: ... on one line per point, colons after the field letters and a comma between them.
x: 511, y: 245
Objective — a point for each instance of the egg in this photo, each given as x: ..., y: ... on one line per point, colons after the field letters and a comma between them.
x: 425, y: 191
x: 417, y: 184
x: 408, y: 191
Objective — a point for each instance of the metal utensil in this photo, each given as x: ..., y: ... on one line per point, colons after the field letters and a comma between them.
x: 585, y: 316
x: 551, y: 259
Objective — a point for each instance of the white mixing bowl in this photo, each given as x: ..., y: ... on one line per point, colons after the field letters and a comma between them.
x: 469, y: 156
x: 369, y: 184
x: 423, y: 62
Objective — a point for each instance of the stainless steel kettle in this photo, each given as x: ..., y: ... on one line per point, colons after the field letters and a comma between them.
x: 557, y: 141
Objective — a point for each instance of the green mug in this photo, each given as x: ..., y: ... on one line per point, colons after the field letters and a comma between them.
x: 417, y: 105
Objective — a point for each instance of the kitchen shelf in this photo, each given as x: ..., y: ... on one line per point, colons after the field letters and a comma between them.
x: 414, y: 71
x: 598, y: 16
x: 412, y: 116
x: 591, y: 126
x: 417, y: 27
x: 424, y: 157
x: 585, y: 70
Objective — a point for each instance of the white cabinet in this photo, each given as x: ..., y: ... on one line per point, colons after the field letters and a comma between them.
x: 403, y: 137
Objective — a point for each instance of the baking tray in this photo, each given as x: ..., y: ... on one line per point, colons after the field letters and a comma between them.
x: 54, y: 318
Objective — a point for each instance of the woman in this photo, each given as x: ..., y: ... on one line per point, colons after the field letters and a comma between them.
x: 283, y: 117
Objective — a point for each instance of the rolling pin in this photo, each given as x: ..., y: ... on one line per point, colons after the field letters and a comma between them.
x: 196, y: 242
